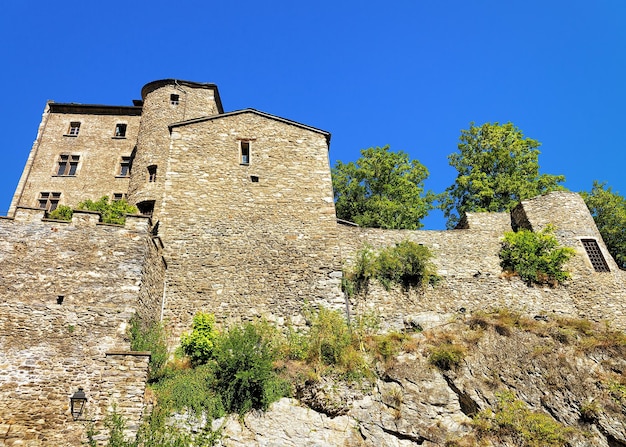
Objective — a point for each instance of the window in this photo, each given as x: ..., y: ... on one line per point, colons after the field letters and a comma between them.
x: 174, y: 99
x: 68, y: 164
x: 49, y: 200
x: 117, y: 196
x: 595, y: 255
x: 74, y: 128
x: 152, y: 171
x: 125, y: 167
x: 146, y: 207
x: 120, y: 130
x: 245, y: 152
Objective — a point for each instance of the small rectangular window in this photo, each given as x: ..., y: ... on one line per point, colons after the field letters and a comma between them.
x: 74, y: 128
x: 152, y: 173
x: 124, y: 167
x: 68, y: 164
x: 120, y: 130
x: 117, y: 196
x: 174, y: 99
x: 595, y: 255
x: 49, y: 200
x: 245, y: 152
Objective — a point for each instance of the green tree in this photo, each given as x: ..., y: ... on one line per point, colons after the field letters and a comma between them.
x: 497, y: 168
x: 608, y: 209
x: 110, y: 212
x: 382, y: 189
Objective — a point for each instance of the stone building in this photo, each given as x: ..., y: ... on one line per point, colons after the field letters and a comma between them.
x: 237, y: 218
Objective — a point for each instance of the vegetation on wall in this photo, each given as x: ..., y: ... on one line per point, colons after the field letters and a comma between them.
x: 61, y: 212
x: 535, y: 256
x: 406, y: 263
x: 149, y: 336
x: 608, y: 209
x: 111, y: 212
x: 497, y: 168
x: 382, y: 189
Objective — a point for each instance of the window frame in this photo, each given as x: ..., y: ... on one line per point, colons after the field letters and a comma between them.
x: 120, y: 130
x: 152, y: 173
x: 595, y: 255
x: 124, y: 166
x: 49, y: 200
x: 174, y: 99
x: 67, y: 165
x: 74, y: 129
x: 245, y: 151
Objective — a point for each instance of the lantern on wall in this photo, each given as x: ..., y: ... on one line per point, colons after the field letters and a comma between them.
x: 77, y: 403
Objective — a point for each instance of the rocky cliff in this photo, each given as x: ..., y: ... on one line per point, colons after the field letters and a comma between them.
x: 488, y: 379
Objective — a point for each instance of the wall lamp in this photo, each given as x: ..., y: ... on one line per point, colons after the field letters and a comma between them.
x: 77, y: 403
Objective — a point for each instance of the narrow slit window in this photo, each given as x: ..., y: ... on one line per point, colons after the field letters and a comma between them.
x: 120, y: 130
x: 595, y: 255
x: 245, y: 152
x: 74, y: 128
x: 152, y: 173
x: 68, y: 164
x: 174, y: 99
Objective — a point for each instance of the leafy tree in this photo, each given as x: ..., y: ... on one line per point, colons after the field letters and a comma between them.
x: 497, y: 168
x: 608, y: 209
x: 382, y: 189
x: 110, y: 212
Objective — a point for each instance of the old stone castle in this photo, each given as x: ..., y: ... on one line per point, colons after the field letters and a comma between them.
x: 237, y: 218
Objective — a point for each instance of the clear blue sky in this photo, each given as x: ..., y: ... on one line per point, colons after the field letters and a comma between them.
x: 411, y: 74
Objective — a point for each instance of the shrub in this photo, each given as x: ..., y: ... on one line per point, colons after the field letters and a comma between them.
x: 244, y: 371
x: 446, y: 356
x: 61, y: 212
x: 149, y: 337
x: 199, y: 344
x: 512, y: 419
x: 191, y: 390
x: 406, y: 263
x: 111, y: 212
x: 535, y: 257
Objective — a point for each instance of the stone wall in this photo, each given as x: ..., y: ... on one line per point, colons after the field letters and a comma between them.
x: 100, y: 154
x: 248, y: 240
x: 67, y: 292
x: 471, y: 277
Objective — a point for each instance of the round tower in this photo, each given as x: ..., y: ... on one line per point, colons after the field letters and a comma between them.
x: 165, y: 102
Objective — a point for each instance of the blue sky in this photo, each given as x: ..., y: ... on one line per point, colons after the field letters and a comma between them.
x: 410, y: 74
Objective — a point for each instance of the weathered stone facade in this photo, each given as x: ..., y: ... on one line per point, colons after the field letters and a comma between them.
x: 68, y: 290
x: 244, y: 226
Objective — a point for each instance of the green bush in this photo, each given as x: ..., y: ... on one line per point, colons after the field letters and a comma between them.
x: 191, y: 390
x: 199, y: 344
x: 244, y: 369
x: 535, y: 257
x: 406, y: 263
x: 446, y: 356
x: 111, y: 212
x: 61, y: 212
x: 512, y: 419
x: 149, y: 337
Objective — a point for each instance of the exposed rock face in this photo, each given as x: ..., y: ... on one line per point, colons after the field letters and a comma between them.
x: 550, y: 370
